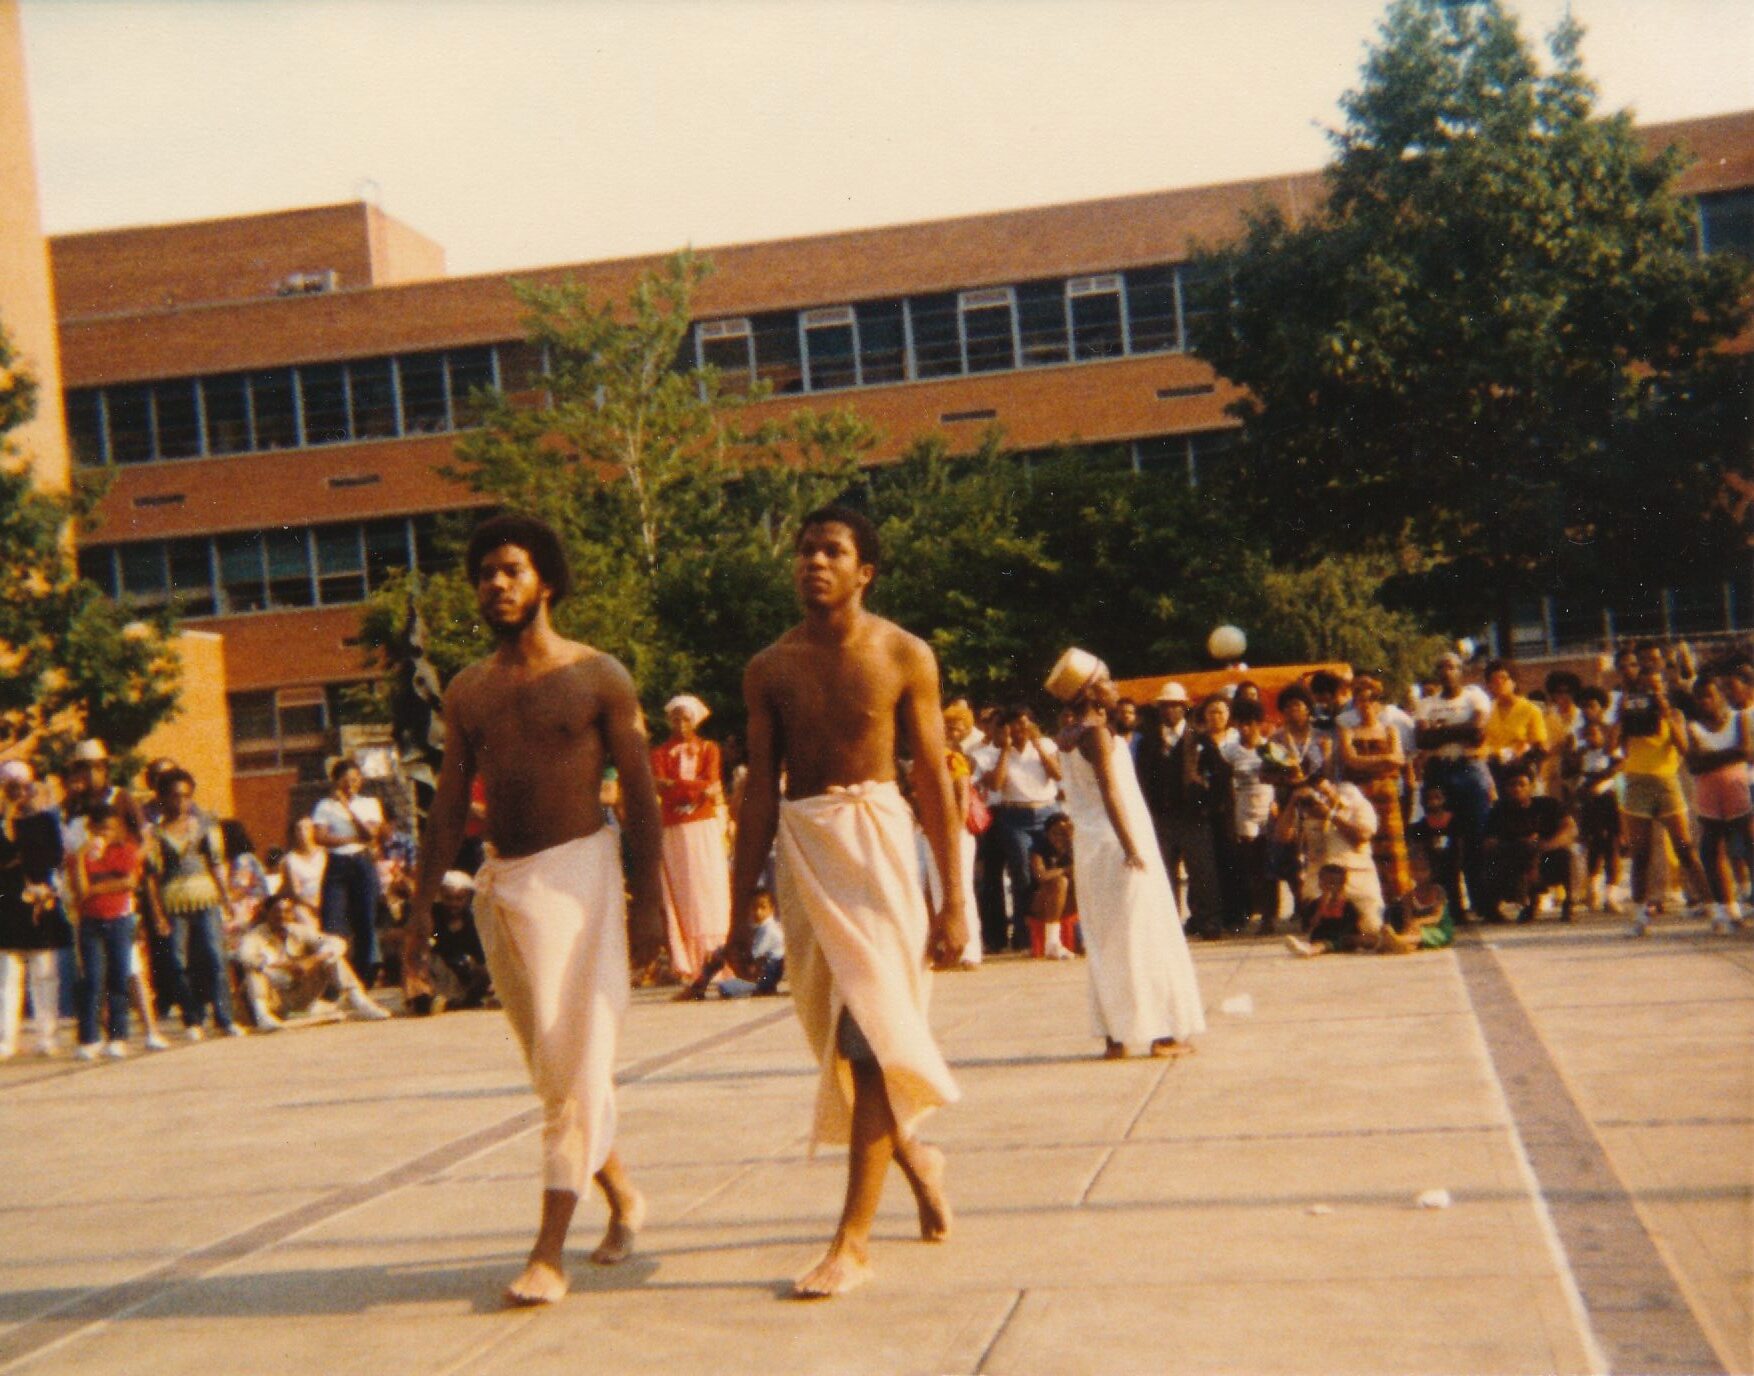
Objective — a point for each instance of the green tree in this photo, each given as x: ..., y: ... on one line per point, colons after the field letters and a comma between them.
x: 1492, y: 338
x: 676, y: 515
x: 72, y: 663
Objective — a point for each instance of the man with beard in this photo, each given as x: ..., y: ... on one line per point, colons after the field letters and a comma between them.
x: 824, y: 701
x: 538, y: 720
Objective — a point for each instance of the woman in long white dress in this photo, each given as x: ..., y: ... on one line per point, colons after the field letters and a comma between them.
x: 1143, y: 990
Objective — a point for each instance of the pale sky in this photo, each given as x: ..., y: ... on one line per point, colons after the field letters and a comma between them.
x: 519, y: 133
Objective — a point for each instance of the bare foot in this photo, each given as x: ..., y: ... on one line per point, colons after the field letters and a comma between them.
x: 929, y: 1195
x: 617, y: 1244
x: 541, y: 1283
x: 1169, y: 1046
x: 1114, y: 1051
x: 838, y: 1272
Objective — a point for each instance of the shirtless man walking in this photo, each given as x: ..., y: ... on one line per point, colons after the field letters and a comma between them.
x: 823, y: 701
x: 537, y: 720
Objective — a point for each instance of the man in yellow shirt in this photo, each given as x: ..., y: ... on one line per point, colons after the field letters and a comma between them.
x: 1516, y: 737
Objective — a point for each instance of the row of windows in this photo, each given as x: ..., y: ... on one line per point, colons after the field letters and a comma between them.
x: 289, y: 408
x: 280, y: 728
x: 263, y: 570
x: 953, y: 334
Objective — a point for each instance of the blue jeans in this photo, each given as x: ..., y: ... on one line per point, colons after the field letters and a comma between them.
x: 106, y: 943
x: 1016, y: 830
x: 200, y: 959
x: 1467, y: 788
x: 350, y: 908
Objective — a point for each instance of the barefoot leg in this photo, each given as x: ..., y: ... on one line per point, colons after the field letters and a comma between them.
x: 627, y: 1212
x: 924, y: 1168
x: 543, y: 1280
x: 845, y: 1264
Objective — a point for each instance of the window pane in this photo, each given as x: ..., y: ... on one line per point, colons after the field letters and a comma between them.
x: 520, y: 366
x: 776, y: 351
x: 429, y: 557
x: 192, y: 577
x: 1726, y: 223
x: 289, y: 568
x: 423, y: 394
x: 303, y: 719
x: 130, y: 424
x: 1209, y: 448
x: 85, y: 425
x: 276, y: 421
x: 240, y: 572
x: 1166, y: 456
x: 1151, y: 310
x: 143, y: 572
x: 882, y: 345
x: 730, y: 355
x: 179, y: 424
x: 228, y: 414
x: 374, y: 398
x: 99, y: 566
x: 471, y: 370
x: 831, y: 356
x: 1205, y: 297
x: 340, y: 564
x: 936, y: 350
x: 252, y: 717
x: 323, y: 389
x: 1096, y: 326
x: 386, y: 549
x: 1041, y: 322
x: 988, y: 331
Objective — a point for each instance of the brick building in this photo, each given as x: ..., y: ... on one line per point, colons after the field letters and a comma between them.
x: 273, y: 392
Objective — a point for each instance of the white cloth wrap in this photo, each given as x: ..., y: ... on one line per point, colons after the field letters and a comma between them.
x: 1142, y: 981
x: 856, y: 927
x: 697, y: 891
x: 554, y: 928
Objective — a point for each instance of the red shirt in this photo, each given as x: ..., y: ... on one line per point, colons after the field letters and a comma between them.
x: 119, y: 860
x: 692, y: 770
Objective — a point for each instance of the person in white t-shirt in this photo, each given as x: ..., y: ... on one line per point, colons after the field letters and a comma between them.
x: 349, y: 825
x: 1450, y: 732
x: 1023, y: 788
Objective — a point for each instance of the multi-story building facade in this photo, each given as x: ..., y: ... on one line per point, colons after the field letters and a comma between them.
x: 274, y: 394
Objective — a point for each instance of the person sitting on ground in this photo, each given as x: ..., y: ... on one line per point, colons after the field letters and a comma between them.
x: 1055, y: 899
x: 1528, y: 849
x: 760, y: 975
x: 291, y: 967
x: 1424, y: 919
x: 461, y: 973
x: 1332, y: 823
x: 1331, y: 919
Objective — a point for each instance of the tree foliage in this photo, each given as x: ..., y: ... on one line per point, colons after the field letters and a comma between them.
x: 1494, y: 338
x: 72, y: 663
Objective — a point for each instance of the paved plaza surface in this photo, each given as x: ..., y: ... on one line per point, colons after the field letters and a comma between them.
x: 351, y: 1198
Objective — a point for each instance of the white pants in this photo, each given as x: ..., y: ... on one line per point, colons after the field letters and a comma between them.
x: 45, y: 997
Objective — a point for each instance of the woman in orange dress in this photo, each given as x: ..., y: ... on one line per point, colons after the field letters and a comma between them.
x: 1371, y: 757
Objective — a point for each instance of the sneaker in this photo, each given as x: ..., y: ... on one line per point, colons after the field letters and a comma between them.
x: 1298, y: 946
x: 267, y: 1023
x: 193, y: 1034
x: 234, y: 1029
x: 44, y: 1048
x: 116, y: 1050
x: 365, y: 1009
x: 154, y: 1042
x: 1641, y: 924
x: 1613, y: 906
x: 1721, y: 923
x: 87, y: 1051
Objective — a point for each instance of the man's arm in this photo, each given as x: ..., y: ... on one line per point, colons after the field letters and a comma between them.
x: 624, y: 735
x: 922, y: 721
x: 443, y: 834
x: 1050, y: 758
x: 759, y: 818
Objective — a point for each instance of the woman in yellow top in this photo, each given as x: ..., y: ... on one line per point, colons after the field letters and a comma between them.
x: 1654, y: 737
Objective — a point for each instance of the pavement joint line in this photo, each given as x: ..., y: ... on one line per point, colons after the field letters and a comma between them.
x: 999, y: 1332
x: 1582, y: 1206
x: 74, y: 1318
x: 1108, y: 1154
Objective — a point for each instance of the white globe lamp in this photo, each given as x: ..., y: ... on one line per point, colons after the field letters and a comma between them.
x: 1227, y: 643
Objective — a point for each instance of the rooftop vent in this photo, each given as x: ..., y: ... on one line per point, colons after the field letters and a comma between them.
x: 308, y: 283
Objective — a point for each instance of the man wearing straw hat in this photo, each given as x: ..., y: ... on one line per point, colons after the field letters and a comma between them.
x: 697, y: 880
x: 823, y: 701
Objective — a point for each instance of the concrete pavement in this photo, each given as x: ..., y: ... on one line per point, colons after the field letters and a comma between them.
x: 351, y: 1197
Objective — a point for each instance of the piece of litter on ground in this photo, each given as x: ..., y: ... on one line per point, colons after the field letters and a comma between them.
x: 1320, y: 1209
x: 1238, y: 1005
x: 1434, y: 1199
